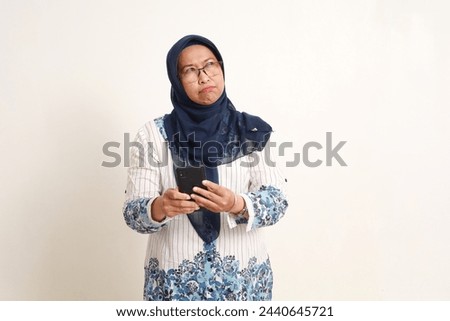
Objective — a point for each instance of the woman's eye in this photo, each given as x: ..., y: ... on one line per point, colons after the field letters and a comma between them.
x: 189, y: 70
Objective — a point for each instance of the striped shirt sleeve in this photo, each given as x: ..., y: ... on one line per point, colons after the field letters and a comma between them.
x: 266, y: 200
x: 143, y: 185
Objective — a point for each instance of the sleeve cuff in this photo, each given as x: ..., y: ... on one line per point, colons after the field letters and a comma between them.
x: 250, y: 211
x: 231, y: 218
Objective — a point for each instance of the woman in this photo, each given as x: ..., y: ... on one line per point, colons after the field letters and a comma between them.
x: 207, y: 245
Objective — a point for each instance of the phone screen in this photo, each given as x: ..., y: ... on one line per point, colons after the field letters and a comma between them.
x: 188, y: 177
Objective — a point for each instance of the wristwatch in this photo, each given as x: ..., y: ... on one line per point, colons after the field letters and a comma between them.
x: 243, y: 211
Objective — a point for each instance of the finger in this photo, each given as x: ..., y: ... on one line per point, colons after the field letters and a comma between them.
x: 188, y: 206
x: 204, y: 193
x: 217, y: 203
x: 177, y: 207
x: 211, y: 186
x: 206, y: 203
x: 182, y: 196
x: 174, y: 194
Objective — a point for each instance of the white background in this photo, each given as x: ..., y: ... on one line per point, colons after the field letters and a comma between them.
x: 75, y: 75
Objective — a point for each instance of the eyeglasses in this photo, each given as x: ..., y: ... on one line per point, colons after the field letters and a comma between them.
x: 191, y: 74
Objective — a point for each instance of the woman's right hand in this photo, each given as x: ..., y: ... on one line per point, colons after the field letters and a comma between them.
x: 172, y: 203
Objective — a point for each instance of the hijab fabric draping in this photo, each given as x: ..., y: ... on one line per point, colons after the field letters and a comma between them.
x: 208, y: 136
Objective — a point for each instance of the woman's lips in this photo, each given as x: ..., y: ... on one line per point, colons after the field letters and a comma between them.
x: 207, y: 89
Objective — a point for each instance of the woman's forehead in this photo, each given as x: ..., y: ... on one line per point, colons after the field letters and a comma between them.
x: 195, y: 54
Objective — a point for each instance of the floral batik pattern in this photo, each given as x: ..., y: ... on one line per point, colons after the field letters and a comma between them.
x: 209, y: 277
x: 160, y: 125
x: 269, y: 206
x: 136, y: 216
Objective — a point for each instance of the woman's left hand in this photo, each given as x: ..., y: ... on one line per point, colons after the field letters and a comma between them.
x: 215, y: 198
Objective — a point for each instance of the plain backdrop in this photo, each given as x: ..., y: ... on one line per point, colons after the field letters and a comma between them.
x: 75, y: 75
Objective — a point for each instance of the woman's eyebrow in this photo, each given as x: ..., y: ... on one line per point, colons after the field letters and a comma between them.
x: 204, y: 61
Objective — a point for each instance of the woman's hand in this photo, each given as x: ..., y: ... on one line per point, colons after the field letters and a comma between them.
x: 172, y: 203
x: 217, y: 198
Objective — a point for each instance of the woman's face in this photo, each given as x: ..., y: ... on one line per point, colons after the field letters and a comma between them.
x: 209, y: 85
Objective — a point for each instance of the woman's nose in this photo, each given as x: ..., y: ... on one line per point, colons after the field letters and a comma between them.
x: 203, y: 77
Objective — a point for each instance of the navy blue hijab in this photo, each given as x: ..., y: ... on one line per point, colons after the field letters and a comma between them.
x: 210, y: 135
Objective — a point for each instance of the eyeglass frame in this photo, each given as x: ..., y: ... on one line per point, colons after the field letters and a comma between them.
x: 199, y: 70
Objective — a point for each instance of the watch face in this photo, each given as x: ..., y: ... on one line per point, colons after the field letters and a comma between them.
x: 243, y: 211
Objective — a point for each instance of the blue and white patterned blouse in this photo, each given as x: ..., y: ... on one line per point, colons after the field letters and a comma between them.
x: 178, y: 264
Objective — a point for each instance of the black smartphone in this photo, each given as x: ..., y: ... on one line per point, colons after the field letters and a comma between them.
x: 188, y: 177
